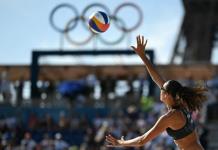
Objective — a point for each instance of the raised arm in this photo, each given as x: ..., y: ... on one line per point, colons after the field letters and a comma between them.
x: 162, y: 123
x: 140, y: 50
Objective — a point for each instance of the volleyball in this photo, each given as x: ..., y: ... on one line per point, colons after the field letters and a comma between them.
x: 99, y: 22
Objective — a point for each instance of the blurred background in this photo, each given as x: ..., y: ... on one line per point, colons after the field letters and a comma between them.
x: 62, y: 87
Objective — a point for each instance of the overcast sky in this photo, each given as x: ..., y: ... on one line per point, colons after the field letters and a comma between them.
x: 25, y: 26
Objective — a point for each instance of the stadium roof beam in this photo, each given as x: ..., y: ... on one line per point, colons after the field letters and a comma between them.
x: 36, y: 54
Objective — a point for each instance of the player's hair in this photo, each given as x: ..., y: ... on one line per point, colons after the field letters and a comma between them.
x: 193, y: 97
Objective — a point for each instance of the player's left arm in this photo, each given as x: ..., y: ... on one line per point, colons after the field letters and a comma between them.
x: 158, y: 128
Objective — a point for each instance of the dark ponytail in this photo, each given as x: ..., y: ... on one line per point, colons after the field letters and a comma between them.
x: 193, y: 98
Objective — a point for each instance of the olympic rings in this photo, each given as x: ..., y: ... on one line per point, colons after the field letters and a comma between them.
x: 84, y: 20
x: 72, y: 23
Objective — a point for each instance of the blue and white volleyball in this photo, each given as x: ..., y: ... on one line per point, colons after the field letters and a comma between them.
x: 99, y: 22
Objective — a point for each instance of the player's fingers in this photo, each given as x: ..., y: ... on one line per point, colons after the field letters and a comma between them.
x: 110, y: 138
x: 142, y: 40
x: 109, y: 141
x: 137, y: 40
x: 145, y: 42
x: 133, y: 47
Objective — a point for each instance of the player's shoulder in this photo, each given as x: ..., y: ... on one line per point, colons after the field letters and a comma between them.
x: 172, y: 113
x: 170, y: 117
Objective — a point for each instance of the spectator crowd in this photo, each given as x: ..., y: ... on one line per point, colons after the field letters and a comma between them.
x: 122, y: 107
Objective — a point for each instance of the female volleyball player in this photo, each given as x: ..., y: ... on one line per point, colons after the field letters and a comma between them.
x: 177, y: 122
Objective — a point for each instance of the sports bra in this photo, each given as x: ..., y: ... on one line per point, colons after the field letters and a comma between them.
x: 185, y: 130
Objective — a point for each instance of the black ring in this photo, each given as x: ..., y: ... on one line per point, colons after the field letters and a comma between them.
x: 55, y: 10
x: 140, y: 16
x: 70, y: 39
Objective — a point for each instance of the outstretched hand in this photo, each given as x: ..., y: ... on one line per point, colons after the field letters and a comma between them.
x: 141, y: 44
x: 113, y: 142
